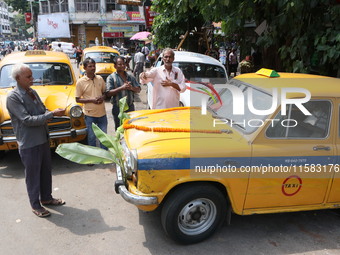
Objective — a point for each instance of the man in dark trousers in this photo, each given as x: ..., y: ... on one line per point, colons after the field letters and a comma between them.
x: 29, y: 119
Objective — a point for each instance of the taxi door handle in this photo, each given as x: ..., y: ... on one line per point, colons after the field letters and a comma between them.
x: 319, y: 148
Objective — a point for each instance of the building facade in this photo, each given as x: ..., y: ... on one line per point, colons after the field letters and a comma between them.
x: 5, y: 29
x: 105, y: 20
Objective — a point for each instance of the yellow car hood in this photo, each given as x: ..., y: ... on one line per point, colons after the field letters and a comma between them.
x: 53, y: 97
x: 180, y: 132
x: 105, y: 68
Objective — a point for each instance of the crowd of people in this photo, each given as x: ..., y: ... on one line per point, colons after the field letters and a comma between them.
x: 30, y: 116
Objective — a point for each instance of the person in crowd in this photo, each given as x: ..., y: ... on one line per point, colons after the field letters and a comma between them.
x: 90, y: 91
x: 79, y: 54
x: 59, y: 49
x: 139, y: 59
x: 233, y: 63
x: 145, y: 50
x: 168, y: 82
x: 120, y: 84
x: 29, y: 119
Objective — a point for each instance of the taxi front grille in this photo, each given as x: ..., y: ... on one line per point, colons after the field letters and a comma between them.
x: 55, y: 124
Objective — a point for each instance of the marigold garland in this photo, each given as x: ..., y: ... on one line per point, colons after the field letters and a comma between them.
x: 126, y: 124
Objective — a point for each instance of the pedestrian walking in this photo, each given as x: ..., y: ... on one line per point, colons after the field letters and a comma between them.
x: 233, y: 63
x: 139, y: 60
x: 79, y: 54
x: 120, y: 84
x: 90, y: 91
x: 168, y: 82
x: 29, y: 119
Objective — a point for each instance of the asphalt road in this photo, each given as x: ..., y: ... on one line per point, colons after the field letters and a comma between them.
x: 95, y: 220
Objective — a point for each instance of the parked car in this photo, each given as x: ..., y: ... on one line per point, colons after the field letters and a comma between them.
x: 55, y: 83
x: 198, y: 69
x: 68, y: 48
x: 248, y: 154
x: 103, y: 56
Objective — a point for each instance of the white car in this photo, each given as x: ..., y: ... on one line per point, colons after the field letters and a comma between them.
x: 198, y: 70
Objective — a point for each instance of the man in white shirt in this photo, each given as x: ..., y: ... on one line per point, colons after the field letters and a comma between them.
x: 59, y: 49
x: 168, y: 81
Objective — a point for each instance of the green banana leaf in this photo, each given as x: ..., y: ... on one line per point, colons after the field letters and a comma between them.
x: 122, y: 108
x: 84, y: 154
x: 112, y: 143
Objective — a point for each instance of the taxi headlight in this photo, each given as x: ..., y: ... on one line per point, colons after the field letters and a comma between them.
x: 130, y: 159
x: 76, y: 111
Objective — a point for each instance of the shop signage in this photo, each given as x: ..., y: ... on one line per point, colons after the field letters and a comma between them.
x: 120, y: 28
x: 135, y: 17
x: 28, y: 17
x: 113, y: 34
x: 55, y: 25
x: 119, y: 15
x: 149, y: 16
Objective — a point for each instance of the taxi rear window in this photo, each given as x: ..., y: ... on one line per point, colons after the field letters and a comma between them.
x: 102, y: 57
x: 43, y: 74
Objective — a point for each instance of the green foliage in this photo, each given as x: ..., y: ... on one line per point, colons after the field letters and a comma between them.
x: 301, y: 36
x: 19, y: 5
x: 84, y: 154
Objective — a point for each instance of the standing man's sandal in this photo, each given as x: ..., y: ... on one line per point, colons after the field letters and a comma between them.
x: 54, y: 201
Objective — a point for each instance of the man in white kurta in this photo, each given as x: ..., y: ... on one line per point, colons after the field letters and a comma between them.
x: 168, y: 82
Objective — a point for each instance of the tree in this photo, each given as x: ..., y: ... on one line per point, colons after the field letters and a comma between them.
x: 19, y: 5
x: 301, y: 36
x: 20, y: 24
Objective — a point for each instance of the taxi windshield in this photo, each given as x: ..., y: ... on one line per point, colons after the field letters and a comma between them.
x: 247, y: 121
x: 192, y: 71
x: 101, y: 57
x: 43, y: 74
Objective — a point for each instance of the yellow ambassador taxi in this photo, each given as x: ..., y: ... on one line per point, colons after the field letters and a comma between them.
x: 268, y: 143
x: 103, y: 56
x: 55, y: 82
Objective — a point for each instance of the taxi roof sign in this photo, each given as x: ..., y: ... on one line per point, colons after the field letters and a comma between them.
x: 35, y: 52
x: 268, y: 73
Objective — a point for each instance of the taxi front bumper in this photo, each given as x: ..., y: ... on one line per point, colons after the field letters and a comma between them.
x: 127, y: 195
x: 60, y: 134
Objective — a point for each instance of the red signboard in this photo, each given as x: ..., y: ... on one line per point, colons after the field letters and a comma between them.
x: 113, y: 34
x: 135, y: 16
x: 28, y: 17
x: 149, y: 16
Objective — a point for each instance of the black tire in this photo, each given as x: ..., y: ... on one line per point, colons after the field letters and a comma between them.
x: 193, y: 212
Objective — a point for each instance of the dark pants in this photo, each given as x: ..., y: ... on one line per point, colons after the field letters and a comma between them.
x: 115, y: 113
x: 138, y: 69
x: 37, y: 163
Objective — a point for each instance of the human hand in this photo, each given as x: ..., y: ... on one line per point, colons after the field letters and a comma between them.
x: 127, y: 85
x: 58, y: 112
x: 166, y: 82
x: 143, y: 76
x: 99, y: 100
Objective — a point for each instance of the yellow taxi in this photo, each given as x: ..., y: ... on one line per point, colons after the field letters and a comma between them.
x: 55, y: 82
x: 267, y: 142
x: 103, y: 56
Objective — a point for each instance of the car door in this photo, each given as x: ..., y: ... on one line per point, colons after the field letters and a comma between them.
x: 334, y: 195
x: 292, y: 155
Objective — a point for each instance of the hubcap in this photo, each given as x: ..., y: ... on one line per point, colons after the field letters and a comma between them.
x: 197, y: 216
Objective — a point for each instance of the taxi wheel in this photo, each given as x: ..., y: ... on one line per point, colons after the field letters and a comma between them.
x: 193, y: 213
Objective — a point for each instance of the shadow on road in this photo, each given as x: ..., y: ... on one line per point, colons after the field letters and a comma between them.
x: 80, y: 222
x: 286, y: 233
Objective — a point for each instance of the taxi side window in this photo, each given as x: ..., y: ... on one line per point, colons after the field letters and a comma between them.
x: 295, y: 125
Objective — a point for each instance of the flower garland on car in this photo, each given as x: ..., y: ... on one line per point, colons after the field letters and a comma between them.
x: 127, y: 124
